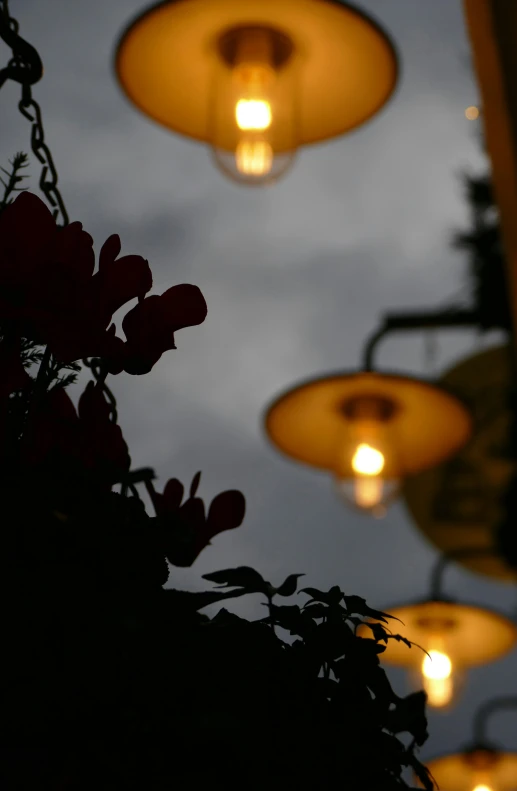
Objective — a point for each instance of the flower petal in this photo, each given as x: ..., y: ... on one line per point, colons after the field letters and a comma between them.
x: 109, y: 250
x: 172, y: 495
x: 226, y: 512
x: 182, y: 306
x: 119, y: 282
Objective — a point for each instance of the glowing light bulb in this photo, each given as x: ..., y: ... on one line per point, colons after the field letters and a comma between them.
x: 368, y: 463
x: 254, y: 120
x: 253, y: 114
x: 437, y: 678
x: 254, y: 157
x: 482, y: 787
x: 368, y: 460
x: 365, y: 461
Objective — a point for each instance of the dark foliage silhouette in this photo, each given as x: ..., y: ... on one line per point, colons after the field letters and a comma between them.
x: 487, y: 269
x: 109, y: 680
x: 486, y: 261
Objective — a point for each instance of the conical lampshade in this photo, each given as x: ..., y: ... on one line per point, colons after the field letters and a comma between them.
x: 370, y: 430
x: 475, y: 770
x: 256, y: 79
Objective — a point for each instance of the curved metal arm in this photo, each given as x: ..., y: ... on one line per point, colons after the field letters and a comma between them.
x: 447, y: 558
x: 485, y: 712
x: 398, y: 322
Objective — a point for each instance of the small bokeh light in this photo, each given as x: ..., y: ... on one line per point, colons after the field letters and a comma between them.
x: 472, y: 113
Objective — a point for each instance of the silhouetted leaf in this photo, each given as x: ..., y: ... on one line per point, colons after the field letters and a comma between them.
x: 288, y: 617
x: 400, y: 639
x: 316, y: 610
x: 379, y: 632
x: 333, y: 596
x: 288, y: 587
x: 195, y: 484
x: 358, y: 605
x: 422, y: 772
x: 241, y: 577
x: 409, y: 716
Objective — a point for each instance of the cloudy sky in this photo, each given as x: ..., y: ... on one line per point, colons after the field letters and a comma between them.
x: 295, y: 277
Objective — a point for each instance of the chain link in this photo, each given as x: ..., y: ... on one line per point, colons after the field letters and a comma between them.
x: 25, y: 68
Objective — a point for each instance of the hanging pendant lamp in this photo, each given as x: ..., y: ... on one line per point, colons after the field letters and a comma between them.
x: 456, y: 637
x: 369, y: 430
x: 256, y: 80
x: 480, y: 766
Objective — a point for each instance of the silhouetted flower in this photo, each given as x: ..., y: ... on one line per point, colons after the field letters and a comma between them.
x: 150, y: 326
x: 47, y: 280
x: 186, y: 528
x: 33, y: 250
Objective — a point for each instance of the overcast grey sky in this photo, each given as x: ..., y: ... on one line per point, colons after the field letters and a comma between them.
x: 295, y: 277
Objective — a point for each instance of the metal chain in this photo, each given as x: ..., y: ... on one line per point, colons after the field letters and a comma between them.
x: 95, y: 365
x: 48, y: 179
x: 25, y: 67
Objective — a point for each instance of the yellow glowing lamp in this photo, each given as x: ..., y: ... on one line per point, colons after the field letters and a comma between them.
x: 369, y: 430
x: 456, y: 636
x: 257, y: 79
x: 475, y: 769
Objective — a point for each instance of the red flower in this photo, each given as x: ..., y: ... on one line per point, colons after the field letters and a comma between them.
x: 186, y: 529
x: 150, y: 326
x: 46, y: 277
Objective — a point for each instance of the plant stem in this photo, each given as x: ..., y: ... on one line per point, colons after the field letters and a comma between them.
x: 270, y: 608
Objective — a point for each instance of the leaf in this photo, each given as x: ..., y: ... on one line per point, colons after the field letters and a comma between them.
x: 423, y: 774
x: 241, y: 577
x: 358, y: 605
x: 316, y: 610
x: 195, y: 483
x: 333, y: 596
x: 378, y: 682
x: 409, y: 716
x: 380, y: 633
x: 288, y: 587
x: 329, y: 641
x: 400, y: 639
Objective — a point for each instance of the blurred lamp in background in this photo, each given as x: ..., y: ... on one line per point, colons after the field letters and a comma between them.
x: 472, y: 113
x: 455, y: 636
x: 369, y: 430
x: 259, y: 79
x: 480, y: 766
